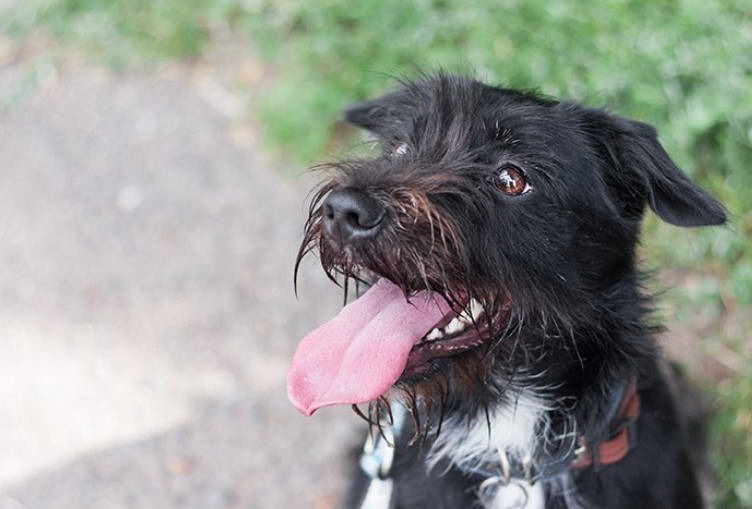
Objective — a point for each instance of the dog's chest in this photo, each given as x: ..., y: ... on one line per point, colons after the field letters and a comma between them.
x: 512, y: 428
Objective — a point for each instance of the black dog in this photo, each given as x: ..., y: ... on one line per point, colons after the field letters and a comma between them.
x: 497, y: 232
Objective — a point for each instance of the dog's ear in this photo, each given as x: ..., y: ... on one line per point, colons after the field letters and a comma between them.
x: 643, y: 172
x: 379, y: 116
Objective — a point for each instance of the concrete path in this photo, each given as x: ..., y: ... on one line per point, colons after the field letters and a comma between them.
x: 146, y: 305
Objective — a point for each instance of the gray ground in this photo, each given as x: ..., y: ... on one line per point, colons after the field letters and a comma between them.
x: 146, y: 304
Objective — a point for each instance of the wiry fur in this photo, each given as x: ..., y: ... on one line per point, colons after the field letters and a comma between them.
x: 554, y: 270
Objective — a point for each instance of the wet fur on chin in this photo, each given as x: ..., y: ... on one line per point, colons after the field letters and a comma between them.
x: 567, y: 319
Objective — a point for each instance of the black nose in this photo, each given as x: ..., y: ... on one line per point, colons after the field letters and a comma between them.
x: 350, y: 214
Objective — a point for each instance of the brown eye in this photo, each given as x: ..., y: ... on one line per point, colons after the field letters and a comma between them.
x: 511, y: 181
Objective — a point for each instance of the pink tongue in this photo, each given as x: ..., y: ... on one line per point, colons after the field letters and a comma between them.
x: 360, y: 353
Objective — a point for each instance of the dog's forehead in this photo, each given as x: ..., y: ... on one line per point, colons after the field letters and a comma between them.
x: 464, y: 112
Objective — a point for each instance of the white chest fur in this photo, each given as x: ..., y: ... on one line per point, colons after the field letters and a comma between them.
x: 512, y: 428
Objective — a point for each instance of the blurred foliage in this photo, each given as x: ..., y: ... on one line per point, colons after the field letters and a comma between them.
x: 683, y: 65
x: 123, y: 32
x: 733, y: 441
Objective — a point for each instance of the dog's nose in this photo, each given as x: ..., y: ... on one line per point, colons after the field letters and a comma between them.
x: 350, y: 215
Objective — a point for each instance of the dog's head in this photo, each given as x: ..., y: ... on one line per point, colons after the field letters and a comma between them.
x: 491, y: 224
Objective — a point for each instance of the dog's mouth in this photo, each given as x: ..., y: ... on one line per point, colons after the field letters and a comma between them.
x: 454, y: 334
x: 375, y: 341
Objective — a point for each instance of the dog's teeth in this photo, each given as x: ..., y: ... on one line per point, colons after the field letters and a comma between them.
x: 454, y: 326
x: 434, y: 334
x: 472, y: 312
x: 476, y: 308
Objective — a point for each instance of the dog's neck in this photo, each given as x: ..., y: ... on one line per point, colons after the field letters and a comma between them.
x: 540, y: 418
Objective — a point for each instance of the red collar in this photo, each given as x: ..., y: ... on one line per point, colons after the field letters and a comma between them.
x: 623, y: 437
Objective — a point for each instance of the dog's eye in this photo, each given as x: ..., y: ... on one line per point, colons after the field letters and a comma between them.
x: 511, y: 180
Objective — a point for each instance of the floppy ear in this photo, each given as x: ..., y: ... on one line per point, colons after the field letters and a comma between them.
x: 380, y: 116
x: 646, y: 173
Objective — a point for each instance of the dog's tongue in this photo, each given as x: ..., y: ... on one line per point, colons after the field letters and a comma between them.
x: 360, y: 353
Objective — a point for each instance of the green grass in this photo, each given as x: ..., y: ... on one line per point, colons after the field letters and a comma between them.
x: 683, y: 65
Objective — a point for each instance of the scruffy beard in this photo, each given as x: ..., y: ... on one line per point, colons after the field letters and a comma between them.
x: 433, y: 385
